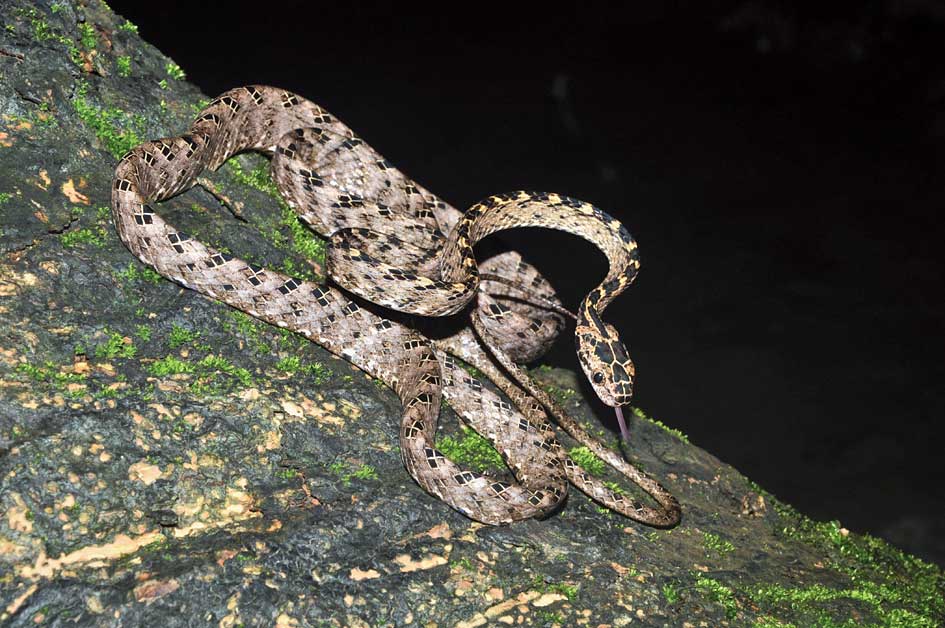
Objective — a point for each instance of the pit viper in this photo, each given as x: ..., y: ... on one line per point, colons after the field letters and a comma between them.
x: 395, y: 248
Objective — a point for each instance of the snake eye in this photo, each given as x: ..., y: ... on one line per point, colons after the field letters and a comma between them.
x: 598, y: 377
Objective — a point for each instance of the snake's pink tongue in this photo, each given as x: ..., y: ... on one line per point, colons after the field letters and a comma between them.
x: 624, y: 432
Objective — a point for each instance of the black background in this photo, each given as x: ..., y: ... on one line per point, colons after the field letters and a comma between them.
x: 780, y: 165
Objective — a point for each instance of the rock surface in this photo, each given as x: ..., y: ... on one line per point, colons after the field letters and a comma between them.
x: 165, y: 460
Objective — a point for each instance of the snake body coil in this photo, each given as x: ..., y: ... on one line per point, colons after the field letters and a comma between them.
x: 398, y: 246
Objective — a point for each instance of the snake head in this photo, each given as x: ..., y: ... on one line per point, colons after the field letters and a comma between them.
x: 604, y: 358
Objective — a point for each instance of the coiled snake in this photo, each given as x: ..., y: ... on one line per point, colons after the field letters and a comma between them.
x: 387, y: 244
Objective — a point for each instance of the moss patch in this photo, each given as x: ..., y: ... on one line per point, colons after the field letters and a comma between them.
x: 116, y: 345
x: 117, y: 131
x: 471, y: 450
x: 586, y: 459
x: 213, y: 375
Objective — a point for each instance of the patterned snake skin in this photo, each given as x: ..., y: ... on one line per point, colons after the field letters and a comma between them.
x: 388, y: 248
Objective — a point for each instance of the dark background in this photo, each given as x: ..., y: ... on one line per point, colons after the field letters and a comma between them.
x: 781, y: 166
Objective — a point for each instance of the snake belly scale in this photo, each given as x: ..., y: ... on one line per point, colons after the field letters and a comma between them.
x: 396, y: 245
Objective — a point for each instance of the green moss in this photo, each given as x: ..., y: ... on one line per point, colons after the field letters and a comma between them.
x: 170, y: 365
x: 143, y: 332
x: 105, y: 392
x: 290, y: 364
x: 806, y: 601
x: 549, y: 618
x: 287, y: 474
x: 319, y: 372
x: 106, y: 124
x: 213, y: 374
x: 115, y: 346
x: 471, y: 450
x: 670, y: 593
x: 173, y: 70
x: 678, y: 434
x: 93, y: 236
x: 879, y: 570
x: 87, y: 36
x: 181, y: 336
x: 343, y: 470
x: 719, y: 593
x: 304, y: 242
x: 564, y: 396
x: 715, y: 543
x: 41, y: 30
x: 365, y: 472
x: 123, y: 63
x: 50, y: 373
x: 472, y: 370
x: 5, y: 197
x: 586, y: 459
x: 567, y: 590
x: 616, y: 488
x: 138, y: 272
x: 248, y: 327
x: 218, y: 364
x: 199, y: 106
x: 128, y: 27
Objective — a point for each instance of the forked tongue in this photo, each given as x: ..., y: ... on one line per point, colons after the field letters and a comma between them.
x: 624, y: 432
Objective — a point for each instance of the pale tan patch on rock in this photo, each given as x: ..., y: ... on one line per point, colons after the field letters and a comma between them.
x: 144, y: 471
x: 193, y: 419
x: 5, y: 140
x: 250, y: 394
x: 272, y: 440
x: 324, y: 412
x: 94, y: 604
x: 358, y: 574
x: 548, y: 599
x: 620, y: 569
x: 284, y: 621
x: 17, y: 602
x: 50, y: 267
x: 18, y: 515
x: 10, y: 281
x: 69, y: 190
x: 225, y: 555
x: 494, y: 613
x: 292, y: 409
x: 106, y: 369
x: 155, y: 589
x: 233, y: 617
x: 44, y: 180
x: 90, y: 556
x: 162, y: 410
x: 238, y: 505
x: 440, y: 531
x: 41, y: 216
x: 8, y: 356
x: 408, y: 564
x: 473, y: 622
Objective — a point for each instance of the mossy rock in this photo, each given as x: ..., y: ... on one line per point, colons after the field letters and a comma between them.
x: 168, y: 461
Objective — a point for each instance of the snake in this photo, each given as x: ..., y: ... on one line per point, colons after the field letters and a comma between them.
x: 397, y: 257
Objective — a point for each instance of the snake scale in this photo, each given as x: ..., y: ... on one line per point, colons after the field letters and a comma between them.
x: 395, y: 247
